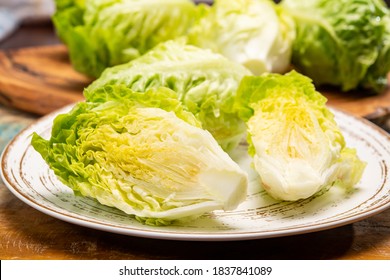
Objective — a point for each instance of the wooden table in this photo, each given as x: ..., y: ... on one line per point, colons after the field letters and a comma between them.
x: 26, y: 233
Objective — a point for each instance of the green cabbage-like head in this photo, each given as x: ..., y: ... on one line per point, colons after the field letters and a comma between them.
x: 103, y: 33
x: 343, y: 43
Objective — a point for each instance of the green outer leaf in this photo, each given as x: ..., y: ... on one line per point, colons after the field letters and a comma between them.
x: 205, y: 82
x: 376, y: 77
x: 158, y: 97
x: 103, y: 33
x: 254, y: 89
x: 337, y: 40
x: 269, y: 86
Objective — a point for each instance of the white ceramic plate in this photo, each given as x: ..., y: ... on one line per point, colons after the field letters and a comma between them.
x: 29, y: 178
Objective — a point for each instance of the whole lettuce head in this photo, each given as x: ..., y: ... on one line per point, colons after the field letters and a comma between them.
x: 257, y: 34
x: 338, y: 42
x: 297, y: 147
x: 146, y: 157
x: 103, y: 33
x: 205, y: 82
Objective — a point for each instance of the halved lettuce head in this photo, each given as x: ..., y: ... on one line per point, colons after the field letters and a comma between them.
x: 205, y: 82
x: 146, y: 156
x: 103, y: 33
x: 297, y: 147
x: 257, y: 34
x: 341, y: 42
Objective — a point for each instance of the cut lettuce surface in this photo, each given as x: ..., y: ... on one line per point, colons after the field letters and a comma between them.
x: 103, y: 33
x: 147, y: 158
x: 297, y: 147
x: 205, y: 82
x: 257, y: 34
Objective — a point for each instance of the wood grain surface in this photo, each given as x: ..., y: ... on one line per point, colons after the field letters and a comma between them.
x: 39, y: 79
x: 359, y: 103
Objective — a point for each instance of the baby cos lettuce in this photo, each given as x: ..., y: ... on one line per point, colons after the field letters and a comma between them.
x: 103, y: 33
x: 296, y: 145
x: 256, y: 33
x: 205, y: 82
x: 344, y: 43
x: 145, y: 155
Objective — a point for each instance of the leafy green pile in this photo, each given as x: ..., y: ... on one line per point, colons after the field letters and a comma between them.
x: 145, y: 155
x: 344, y: 43
x: 152, y: 136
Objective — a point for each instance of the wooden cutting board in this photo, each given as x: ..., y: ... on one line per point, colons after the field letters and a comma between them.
x: 41, y: 79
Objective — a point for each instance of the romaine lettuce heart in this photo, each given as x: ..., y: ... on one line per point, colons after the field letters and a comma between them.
x: 297, y: 147
x: 143, y: 160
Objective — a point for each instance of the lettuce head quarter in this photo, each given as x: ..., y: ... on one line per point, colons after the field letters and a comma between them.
x: 103, y: 33
x: 297, y: 147
x: 256, y: 33
x: 149, y: 159
x: 343, y: 43
x: 205, y: 82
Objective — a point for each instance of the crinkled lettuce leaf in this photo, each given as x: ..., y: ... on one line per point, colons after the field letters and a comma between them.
x: 145, y: 157
x: 205, y: 82
x: 103, y: 33
x: 297, y: 146
x: 338, y: 42
x: 257, y: 34
x: 376, y: 77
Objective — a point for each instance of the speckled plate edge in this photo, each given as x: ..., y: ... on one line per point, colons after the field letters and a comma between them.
x: 377, y: 202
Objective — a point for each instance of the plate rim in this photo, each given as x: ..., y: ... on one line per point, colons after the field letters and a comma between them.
x: 154, y: 233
